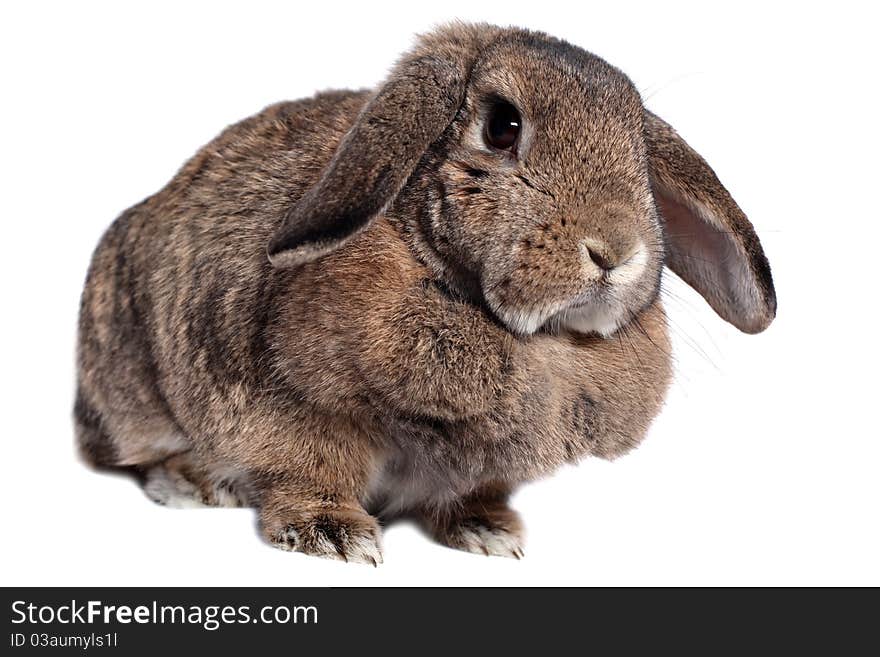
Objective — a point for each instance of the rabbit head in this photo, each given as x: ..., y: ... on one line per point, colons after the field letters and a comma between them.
x: 528, y: 174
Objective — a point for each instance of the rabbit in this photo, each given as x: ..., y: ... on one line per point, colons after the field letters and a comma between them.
x: 407, y: 301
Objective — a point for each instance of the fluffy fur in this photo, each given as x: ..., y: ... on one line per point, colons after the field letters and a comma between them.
x: 351, y: 303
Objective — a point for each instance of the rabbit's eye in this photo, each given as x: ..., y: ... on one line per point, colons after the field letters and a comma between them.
x: 503, y: 126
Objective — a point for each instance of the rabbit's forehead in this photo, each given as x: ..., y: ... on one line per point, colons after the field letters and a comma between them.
x: 568, y: 95
x: 577, y: 108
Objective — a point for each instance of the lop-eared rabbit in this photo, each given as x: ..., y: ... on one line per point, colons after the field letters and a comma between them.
x: 408, y: 300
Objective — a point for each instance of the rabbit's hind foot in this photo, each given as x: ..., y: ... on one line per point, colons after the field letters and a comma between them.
x: 181, y: 482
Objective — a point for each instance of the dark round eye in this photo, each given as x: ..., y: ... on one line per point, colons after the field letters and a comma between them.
x: 503, y: 126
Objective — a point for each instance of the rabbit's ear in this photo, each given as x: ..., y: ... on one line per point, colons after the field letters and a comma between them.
x: 376, y: 157
x: 710, y: 242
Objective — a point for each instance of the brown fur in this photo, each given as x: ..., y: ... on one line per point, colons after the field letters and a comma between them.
x: 408, y: 345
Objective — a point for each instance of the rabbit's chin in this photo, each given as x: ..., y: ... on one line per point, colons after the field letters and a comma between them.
x: 600, y: 318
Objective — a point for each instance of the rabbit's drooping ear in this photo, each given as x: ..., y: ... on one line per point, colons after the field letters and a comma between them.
x: 711, y: 243
x: 378, y: 154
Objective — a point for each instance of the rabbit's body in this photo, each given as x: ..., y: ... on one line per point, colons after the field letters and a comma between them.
x: 191, y: 340
x: 377, y: 373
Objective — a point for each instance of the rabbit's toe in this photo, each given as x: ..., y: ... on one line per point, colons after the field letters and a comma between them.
x: 344, y: 535
x: 182, y: 482
x: 486, y: 539
x: 170, y: 488
x: 481, y: 523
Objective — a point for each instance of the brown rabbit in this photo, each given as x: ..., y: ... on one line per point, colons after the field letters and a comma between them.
x: 449, y: 259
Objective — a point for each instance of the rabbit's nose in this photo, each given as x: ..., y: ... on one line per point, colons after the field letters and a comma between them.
x: 600, y: 254
x: 600, y: 260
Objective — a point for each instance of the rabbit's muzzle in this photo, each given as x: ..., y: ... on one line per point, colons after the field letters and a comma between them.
x: 585, y: 284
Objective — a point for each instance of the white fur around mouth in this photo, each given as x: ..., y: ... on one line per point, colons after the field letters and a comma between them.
x: 523, y: 322
x: 597, y: 318
x: 596, y: 313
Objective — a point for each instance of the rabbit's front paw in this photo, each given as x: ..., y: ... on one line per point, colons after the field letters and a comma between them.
x: 490, y: 529
x: 484, y: 539
x: 336, y: 534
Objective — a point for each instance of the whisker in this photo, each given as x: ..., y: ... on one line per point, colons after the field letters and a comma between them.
x: 625, y: 330
x: 665, y: 85
x: 690, y: 341
x: 634, y: 319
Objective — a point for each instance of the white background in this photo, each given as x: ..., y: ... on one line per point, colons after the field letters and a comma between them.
x: 763, y: 467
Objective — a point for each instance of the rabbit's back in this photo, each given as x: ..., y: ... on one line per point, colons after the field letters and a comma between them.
x: 179, y: 290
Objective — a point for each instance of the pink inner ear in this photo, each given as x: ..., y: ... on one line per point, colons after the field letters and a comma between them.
x: 689, y: 237
x: 706, y: 256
